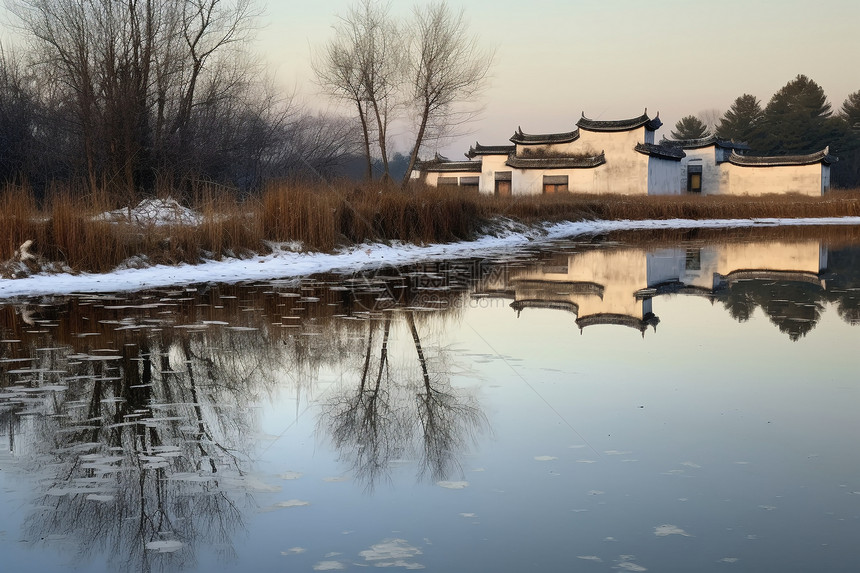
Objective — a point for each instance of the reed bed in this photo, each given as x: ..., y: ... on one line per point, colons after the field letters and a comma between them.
x: 70, y: 230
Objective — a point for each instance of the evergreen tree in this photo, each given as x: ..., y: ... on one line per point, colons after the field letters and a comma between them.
x: 742, y: 122
x: 851, y: 110
x: 690, y: 127
x: 796, y: 119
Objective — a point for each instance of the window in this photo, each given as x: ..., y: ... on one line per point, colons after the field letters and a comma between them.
x: 694, y: 178
x: 694, y: 260
x: 445, y: 181
x: 469, y: 183
x: 554, y: 184
x: 503, y: 184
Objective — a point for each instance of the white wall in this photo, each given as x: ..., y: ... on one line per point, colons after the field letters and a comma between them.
x: 663, y: 177
x: 714, y: 178
x: 803, y: 179
x: 489, y: 165
x: 626, y: 170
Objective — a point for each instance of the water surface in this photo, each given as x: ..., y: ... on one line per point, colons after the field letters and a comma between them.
x: 662, y: 404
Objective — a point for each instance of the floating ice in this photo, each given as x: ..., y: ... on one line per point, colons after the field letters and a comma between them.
x: 293, y: 551
x: 728, y: 560
x: 545, y: 458
x: 668, y: 529
x: 590, y: 558
x: 392, y: 553
x: 329, y: 566
x: 292, y: 503
x: 166, y: 546
x: 453, y: 484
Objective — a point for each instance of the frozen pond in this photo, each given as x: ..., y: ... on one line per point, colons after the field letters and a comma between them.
x: 632, y: 403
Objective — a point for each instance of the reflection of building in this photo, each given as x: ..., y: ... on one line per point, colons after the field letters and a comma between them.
x: 620, y: 156
x: 618, y: 286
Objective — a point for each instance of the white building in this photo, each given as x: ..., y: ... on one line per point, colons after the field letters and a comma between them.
x: 713, y: 166
x: 617, y: 156
x: 620, y: 156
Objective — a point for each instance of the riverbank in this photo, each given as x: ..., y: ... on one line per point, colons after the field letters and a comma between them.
x: 283, y: 263
x: 91, y: 235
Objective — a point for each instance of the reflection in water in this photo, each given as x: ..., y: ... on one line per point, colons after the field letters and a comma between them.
x: 141, y: 450
x: 136, y: 413
x: 789, y: 281
x: 398, y: 410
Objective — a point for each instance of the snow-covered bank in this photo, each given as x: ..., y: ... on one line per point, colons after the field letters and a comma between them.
x: 285, y: 264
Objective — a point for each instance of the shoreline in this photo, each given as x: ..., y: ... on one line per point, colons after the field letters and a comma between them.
x: 286, y: 264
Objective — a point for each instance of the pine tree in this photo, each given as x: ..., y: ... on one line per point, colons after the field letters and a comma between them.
x: 851, y: 110
x: 690, y: 127
x: 742, y: 121
x: 796, y: 119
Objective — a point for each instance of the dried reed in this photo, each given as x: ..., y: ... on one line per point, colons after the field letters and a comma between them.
x: 67, y: 229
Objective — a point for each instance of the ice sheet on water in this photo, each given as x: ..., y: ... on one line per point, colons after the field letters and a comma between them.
x: 545, y: 458
x: 329, y: 566
x: 453, y: 484
x: 165, y: 546
x: 669, y: 529
x: 392, y: 553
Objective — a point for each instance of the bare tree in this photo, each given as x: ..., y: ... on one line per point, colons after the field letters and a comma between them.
x: 711, y: 118
x: 362, y: 64
x: 447, y: 71
x: 132, y: 73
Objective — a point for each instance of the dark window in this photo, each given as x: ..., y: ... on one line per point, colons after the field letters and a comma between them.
x: 694, y: 178
x: 445, y: 181
x: 694, y: 260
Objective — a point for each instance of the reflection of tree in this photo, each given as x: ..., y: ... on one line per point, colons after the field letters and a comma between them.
x: 139, y: 454
x: 795, y: 307
x: 843, y: 282
x: 392, y: 412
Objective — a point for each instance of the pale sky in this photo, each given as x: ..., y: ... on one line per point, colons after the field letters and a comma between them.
x: 608, y: 58
x: 612, y: 58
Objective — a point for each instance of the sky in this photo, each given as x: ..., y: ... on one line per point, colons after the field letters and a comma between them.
x: 610, y: 59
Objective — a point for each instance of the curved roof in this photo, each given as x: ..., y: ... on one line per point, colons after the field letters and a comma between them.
x: 479, y: 149
x: 620, y: 124
x: 559, y: 162
x: 640, y: 324
x: 822, y: 156
x: 662, y: 151
x: 450, y: 166
x: 519, y: 305
x: 543, y: 138
x: 705, y: 142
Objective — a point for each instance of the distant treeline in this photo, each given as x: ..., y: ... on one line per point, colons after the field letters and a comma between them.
x: 142, y: 96
x: 130, y: 97
x: 797, y: 120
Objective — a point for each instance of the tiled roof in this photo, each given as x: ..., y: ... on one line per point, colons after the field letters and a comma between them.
x: 479, y: 149
x: 705, y: 142
x: 661, y: 151
x: 620, y: 124
x: 450, y: 166
x: 537, y: 139
x: 560, y: 162
x: 822, y: 156
x: 640, y: 324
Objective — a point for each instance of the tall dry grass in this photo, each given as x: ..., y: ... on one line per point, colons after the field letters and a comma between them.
x: 67, y: 229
